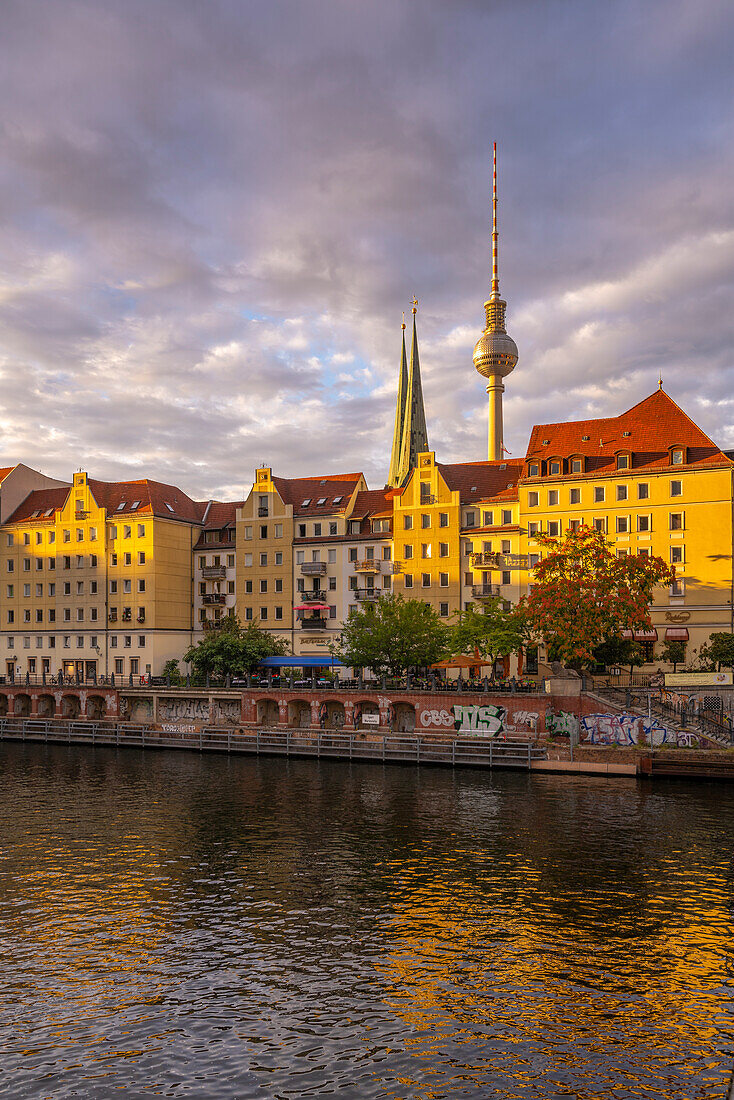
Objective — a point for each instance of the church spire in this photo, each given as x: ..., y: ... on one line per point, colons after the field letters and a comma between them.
x: 411, y: 436
x: 394, y: 478
x: 495, y: 353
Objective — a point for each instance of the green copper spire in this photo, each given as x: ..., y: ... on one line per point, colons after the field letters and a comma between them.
x: 410, y: 437
x: 393, y: 478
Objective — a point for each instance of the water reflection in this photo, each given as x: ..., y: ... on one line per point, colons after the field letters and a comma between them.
x: 232, y: 928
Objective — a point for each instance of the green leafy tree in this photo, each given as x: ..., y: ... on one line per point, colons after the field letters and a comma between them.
x: 619, y: 651
x: 391, y: 635
x: 233, y: 649
x: 717, y: 652
x: 489, y: 631
x: 171, y: 671
x: 583, y: 594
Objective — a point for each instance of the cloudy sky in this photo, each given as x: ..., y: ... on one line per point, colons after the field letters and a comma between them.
x: 213, y: 212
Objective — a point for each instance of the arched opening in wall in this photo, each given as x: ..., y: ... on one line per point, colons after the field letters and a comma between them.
x: 364, y: 710
x: 267, y: 712
x: 3, y: 704
x: 46, y: 706
x: 96, y: 708
x: 299, y: 713
x: 404, y: 718
x: 22, y: 705
x: 70, y: 706
x: 334, y: 715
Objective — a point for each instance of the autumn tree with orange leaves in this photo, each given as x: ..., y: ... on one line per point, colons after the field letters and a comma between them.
x: 583, y: 594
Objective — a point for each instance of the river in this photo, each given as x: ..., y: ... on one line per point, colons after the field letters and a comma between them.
x: 204, y: 927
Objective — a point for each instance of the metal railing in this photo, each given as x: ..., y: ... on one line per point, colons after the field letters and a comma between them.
x: 398, y: 749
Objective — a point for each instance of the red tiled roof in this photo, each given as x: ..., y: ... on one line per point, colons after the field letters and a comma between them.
x: 482, y: 480
x: 654, y: 425
x: 294, y: 490
x: 220, y: 513
x: 154, y: 496
x: 40, y: 500
x: 4, y: 471
x: 373, y: 502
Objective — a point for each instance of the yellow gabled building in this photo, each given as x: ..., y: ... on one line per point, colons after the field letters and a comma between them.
x: 655, y: 484
x: 97, y: 578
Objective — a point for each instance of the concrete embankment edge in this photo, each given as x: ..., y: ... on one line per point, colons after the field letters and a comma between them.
x: 581, y: 768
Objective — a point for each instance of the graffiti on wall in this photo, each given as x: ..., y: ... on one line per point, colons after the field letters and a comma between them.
x: 183, y: 710
x: 525, y: 718
x: 473, y: 718
x: 564, y: 723
x: 625, y: 729
x: 226, y: 712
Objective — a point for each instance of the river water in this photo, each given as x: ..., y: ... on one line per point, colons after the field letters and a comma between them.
x: 203, y: 927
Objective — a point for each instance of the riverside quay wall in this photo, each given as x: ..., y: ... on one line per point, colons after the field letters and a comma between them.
x: 188, y: 710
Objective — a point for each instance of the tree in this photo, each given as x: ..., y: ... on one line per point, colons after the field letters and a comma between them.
x: 233, y: 649
x: 718, y: 651
x: 490, y: 632
x: 583, y: 594
x: 619, y: 651
x: 171, y: 671
x: 391, y: 635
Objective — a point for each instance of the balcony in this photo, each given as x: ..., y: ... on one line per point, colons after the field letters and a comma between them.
x: 367, y: 565
x: 427, y: 498
x: 315, y: 596
x: 141, y: 617
x: 367, y: 593
x: 313, y: 624
x: 211, y: 624
x: 214, y: 597
x: 486, y: 560
x: 214, y: 572
x: 112, y: 616
x: 127, y: 616
x: 81, y: 515
x: 313, y: 568
x: 485, y: 591
x: 395, y: 567
x: 262, y: 512
x: 515, y: 561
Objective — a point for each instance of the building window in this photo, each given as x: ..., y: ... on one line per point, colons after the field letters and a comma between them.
x: 263, y: 559
x: 426, y: 580
x: 141, y: 641
x: 577, y: 466
x: 248, y: 532
x: 407, y: 523
x: 678, y: 587
x: 425, y: 549
x: 425, y: 520
x: 554, y: 528
x: 600, y: 524
x: 127, y: 531
x: 443, y: 549
x: 278, y: 584
x: 263, y: 586
x: 506, y: 577
x: 331, y: 556
x: 574, y: 525
x: 127, y: 559
x: 533, y: 499
x: 141, y: 530
x: 119, y: 666
x: 66, y: 536
x: 317, y: 529
x: 443, y: 580
x: 677, y: 458
x: 141, y: 584
x: 134, y: 665
x: 443, y: 519
x: 598, y: 494
x: 407, y: 551
x: 471, y: 519
x: 248, y: 614
x: 263, y: 614
x: 574, y: 496
x: 623, y: 462
x: 128, y: 641
x: 676, y: 488
x: 443, y: 610
x: 333, y: 529
x: 553, y: 497
x: 554, y: 468
x: 279, y: 613
x: 643, y: 491
x: 676, y: 555
x: 644, y: 523
x: 533, y: 529
x: 676, y: 521
x: 407, y: 580
x: 622, y: 526
x: 506, y: 516
x: 621, y: 492
x: 248, y: 559
x: 533, y: 469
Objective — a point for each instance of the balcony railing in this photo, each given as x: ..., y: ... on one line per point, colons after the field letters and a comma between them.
x: 214, y: 597
x: 367, y: 565
x: 427, y: 498
x: 395, y: 567
x: 315, y: 596
x: 313, y: 568
x: 485, y: 591
x: 486, y: 560
x: 367, y: 593
x: 214, y: 572
x: 313, y: 624
x: 211, y: 624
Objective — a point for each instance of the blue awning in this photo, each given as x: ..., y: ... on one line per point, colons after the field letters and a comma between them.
x: 326, y: 661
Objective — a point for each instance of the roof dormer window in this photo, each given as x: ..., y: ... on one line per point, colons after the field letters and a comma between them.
x: 305, y: 503
x: 626, y: 435
x: 585, y: 438
x: 533, y: 469
x: 321, y: 501
x: 577, y: 465
x: 677, y: 456
x: 623, y: 462
x: 554, y: 466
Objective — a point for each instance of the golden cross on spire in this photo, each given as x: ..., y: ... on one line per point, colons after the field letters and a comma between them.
x: 415, y: 304
x: 660, y: 380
